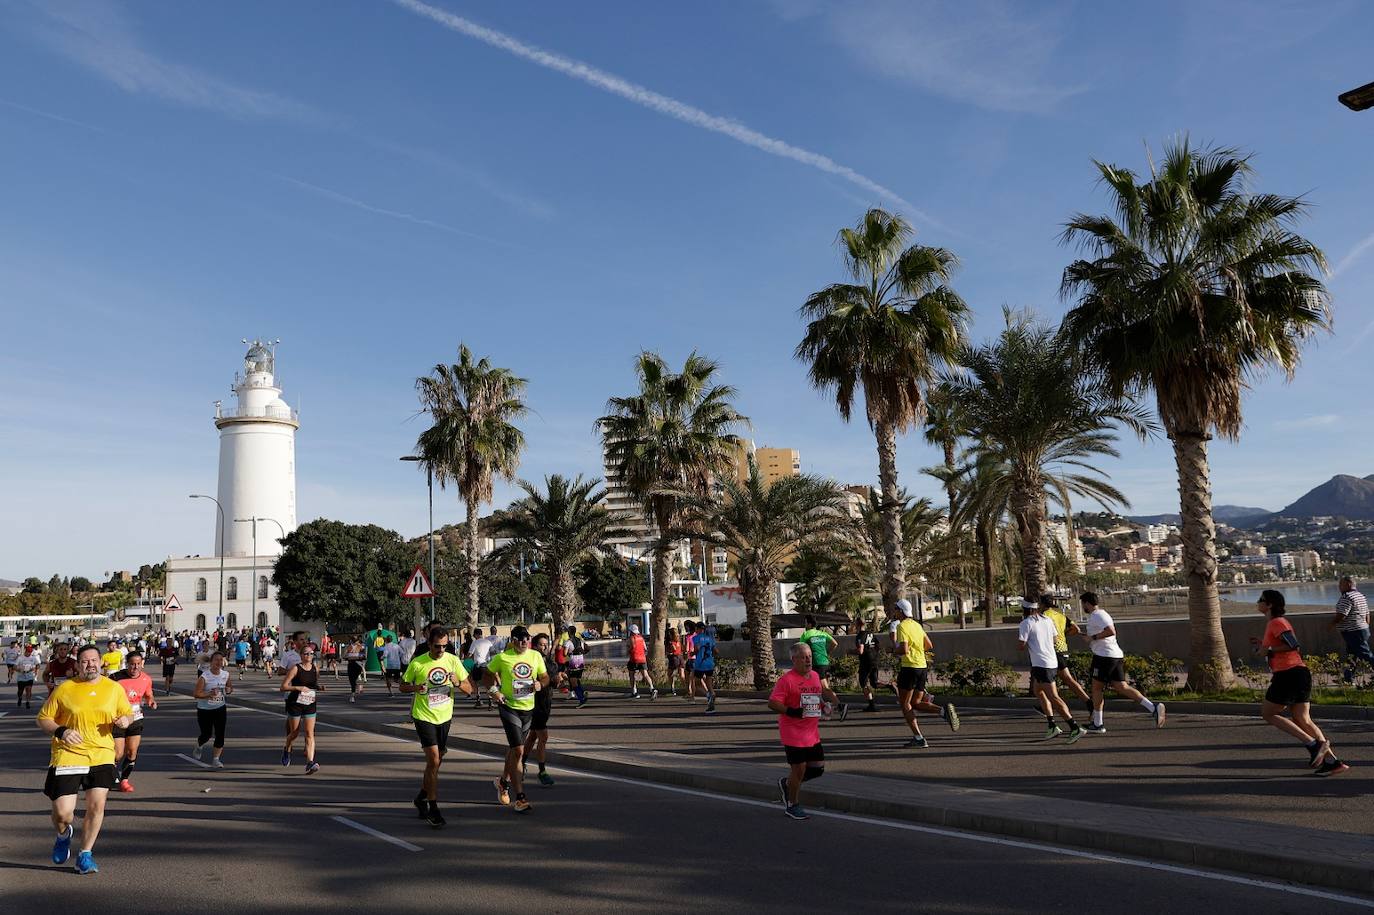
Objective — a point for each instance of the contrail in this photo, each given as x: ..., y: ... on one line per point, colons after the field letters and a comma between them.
x: 1355, y: 254
x: 640, y: 95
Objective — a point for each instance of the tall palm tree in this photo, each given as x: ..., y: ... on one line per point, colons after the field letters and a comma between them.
x: 762, y: 525
x: 555, y: 529
x: 471, y: 440
x: 674, y: 434
x: 1033, y: 407
x: 887, y: 332
x: 942, y: 429
x: 1195, y: 287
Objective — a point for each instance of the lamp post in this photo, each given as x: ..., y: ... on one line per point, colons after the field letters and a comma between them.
x: 429, y: 480
x: 254, y: 521
x: 219, y: 508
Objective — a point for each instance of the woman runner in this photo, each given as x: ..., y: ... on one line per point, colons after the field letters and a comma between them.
x: 300, y: 685
x: 672, y: 650
x: 212, y: 715
x: 355, y: 654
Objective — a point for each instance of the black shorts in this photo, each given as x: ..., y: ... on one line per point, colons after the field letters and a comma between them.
x: 168, y: 671
x: 55, y: 786
x: 912, y: 678
x: 634, y: 665
x: 135, y: 729
x: 477, y: 673
x: 296, y: 710
x: 705, y: 671
x: 1290, y: 687
x: 1108, y: 670
x: 573, y: 673
x: 394, y: 673
x: 822, y: 670
x: 1043, y: 674
x: 516, y: 723
x: 674, y: 662
x: 868, y: 675
x: 542, y: 711
x: 1063, y: 657
x: 797, y: 755
x: 433, y: 735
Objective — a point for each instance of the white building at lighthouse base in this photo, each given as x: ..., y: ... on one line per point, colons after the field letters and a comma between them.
x: 195, y: 580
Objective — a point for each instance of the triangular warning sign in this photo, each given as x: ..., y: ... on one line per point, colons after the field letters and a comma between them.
x: 418, y: 585
x: 172, y: 604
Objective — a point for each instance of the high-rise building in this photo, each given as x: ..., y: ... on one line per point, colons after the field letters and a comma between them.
x: 776, y: 463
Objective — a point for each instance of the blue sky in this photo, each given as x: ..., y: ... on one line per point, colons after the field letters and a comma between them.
x: 561, y: 185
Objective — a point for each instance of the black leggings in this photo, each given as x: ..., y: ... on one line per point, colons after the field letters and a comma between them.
x: 212, y: 719
x: 355, y: 670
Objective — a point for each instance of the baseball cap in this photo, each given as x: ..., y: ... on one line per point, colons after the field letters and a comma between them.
x: 1029, y: 604
x: 518, y: 633
x: 634, y: 630
x: 904, y: 605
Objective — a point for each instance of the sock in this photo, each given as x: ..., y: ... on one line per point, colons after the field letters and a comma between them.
x: 1312, y: 745
x: 1050, y: 719
x: 1097, y: 717
x: 420, y: 798
x: 541, y: 768
x: 1147, y: 705
x: 129, y: 768
x: 1072, y: 724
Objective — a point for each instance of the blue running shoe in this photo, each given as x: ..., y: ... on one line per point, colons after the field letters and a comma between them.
x: 85, y: 864
x: 285, y: 758
x: 62, y: 848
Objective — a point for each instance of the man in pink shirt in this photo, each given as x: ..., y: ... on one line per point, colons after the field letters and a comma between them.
x: 639, y: 663
x: 800, y: 701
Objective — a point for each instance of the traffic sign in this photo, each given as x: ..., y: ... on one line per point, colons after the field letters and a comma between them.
x: 418, y: 585
x: 172, y: 604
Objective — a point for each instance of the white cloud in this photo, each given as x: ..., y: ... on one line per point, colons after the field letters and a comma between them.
x: 1319, y: 421
x: 96, y: 35
x: 647, y: 98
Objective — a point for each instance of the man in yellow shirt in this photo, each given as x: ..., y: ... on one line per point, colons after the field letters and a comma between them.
x: 80, y: 716
x: 112, y: 661
x: 911, y: 643
x: 1063, y: 628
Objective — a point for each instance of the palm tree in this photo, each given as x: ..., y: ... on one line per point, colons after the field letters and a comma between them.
x: 675, y: 434
x: 555, y: 530
x: 762, y: 526
x: 942, y: 428
x: 1033, y: 408
x: 887, y: 332
x: 1195, y: 287
x: 472, y: 439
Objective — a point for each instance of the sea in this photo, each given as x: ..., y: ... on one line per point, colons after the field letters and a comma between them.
x: 1320, y: 593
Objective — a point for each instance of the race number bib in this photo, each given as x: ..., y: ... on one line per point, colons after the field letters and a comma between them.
x: 438, y: 698
x: 138, y: 712
x: 305, y: 697
x: 522, y: 688
x: 216, y: 697
x: 811, y: 705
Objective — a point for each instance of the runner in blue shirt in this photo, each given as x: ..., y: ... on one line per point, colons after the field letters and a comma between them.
x: 241, y: 649
x: 704, y: 652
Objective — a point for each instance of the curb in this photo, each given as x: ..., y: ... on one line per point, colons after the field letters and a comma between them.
x: 1328, y: 859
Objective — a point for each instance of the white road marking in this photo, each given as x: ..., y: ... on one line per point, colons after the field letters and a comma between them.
x: 3, y: 714
x: 194, y: 762
x: 376, y: 834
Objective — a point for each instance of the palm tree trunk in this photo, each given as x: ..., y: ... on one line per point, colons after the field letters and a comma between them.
x: 563, y: 597
x: 952, y: 492
x: 758, y: 607
x: 1209, y: 662
x: 894, y: 560
x: 1028, y: 505
x: 474, y: 565
x: 989, y: 584
x: 658, y: 619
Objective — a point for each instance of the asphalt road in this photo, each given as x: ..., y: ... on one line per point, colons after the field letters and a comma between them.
x: 266, y: 838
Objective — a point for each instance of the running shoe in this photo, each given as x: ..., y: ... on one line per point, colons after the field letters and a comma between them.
x: 216, y: 763
x: 285, y: 758
x: 1098, y: 728
x: 844, y: 711
x: 871, y: 707
x: 546, y: 779
x: 62, y: 848
x: 653, y: 694
x: 951, y: 716
x: 916, y: 743
x: 199, y: 751
x: 312, y: 767
x: 422, y: 805
x: 522, y: 804
x: 1331, y: 767
x: 1053, y: 731
x: 1077, y: 734
x: 433, y: 816
x: 796, y: 812
x: 1158, y: 714
x: 634, y: 695
x: 85, y: 864
x: 502, y: 793
x: 125, y: 786
x: 1319, y: 753
x: 711, y: 707
x: 782, y: 789
x: 582, y: 703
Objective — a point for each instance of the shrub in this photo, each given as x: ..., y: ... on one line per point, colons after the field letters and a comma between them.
x: 844, y: 670
x: 1081, y: 665
x: 976, y: 676
x: 1327, y: 669
x: 725, y: 633
x: 1152, y: 675
x: 730, y: 672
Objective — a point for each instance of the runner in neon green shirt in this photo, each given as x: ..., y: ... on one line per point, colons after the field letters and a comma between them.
x: 819, y: 641
x: 518, y: 673
x: 433, y: 677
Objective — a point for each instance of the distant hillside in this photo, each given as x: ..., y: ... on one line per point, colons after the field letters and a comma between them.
x: 1230, y: 514
x: 1344, y: 495
x: 6, y: 583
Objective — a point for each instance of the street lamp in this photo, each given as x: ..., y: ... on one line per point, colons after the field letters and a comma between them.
x: 1358, y: 99
x: 219, y: 508
x: 429, y: 480
x: 254, y: 521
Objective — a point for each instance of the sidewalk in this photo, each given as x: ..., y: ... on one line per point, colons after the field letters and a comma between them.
x: 1224, y: 793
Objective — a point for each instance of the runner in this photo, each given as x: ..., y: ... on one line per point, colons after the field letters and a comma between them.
x: 329, y: 651
x: 801, y: 700
x: 512, y: 678
x: 168, y: 653
x: 269, y: 652
x: 432, y: 677
x: 301, y: 683
x: 61, y: 668
x: 689, y: 656
x: 638, y: 663
x: 291, y: 656
x: 212, y: 715
x: 575, y: 650
x: 25, y: 672
x: 138, y: 687
x: 913, y: 646
x: 867, y: 647
x: 821, y: 643
x: 241, y: 655
x: 355, y: 654
x: 672, y: 652
x: 1291, y: 686
x: 407, y: 643
x: 391, y: 663
x: 704, y: 664
x: 113, y: 659
x: 480, y: 653
x: 1037, y: 635
x: 1063, y: 627
x: 80, y: 717
x: 1107, y: 669
x: 539, y: 724
x: 11, y: 655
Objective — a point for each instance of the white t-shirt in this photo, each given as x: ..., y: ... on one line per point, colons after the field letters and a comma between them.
x: 25, y: 665
x: 11, y: 654
x: 481, y: 650
x: 407, y: 649
x: 288, y: 657
x: 214, y: 689
x: 1039, y: 634
x: 391, y: 655
x: 1098, y: 620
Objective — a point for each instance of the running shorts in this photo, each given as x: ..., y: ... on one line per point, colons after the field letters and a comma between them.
x: 542, y: 711
x: 574, y: 673
x: 516, y: 723
x: 135, y: 729
x: 822, y: 670
x: 1063, y: 657
x: 169, y: 671
x: 394, y: 673
x: 635, y: 665
x: 912, y: 678
x: 1290, y: 687
x: 296, y: 710
x: 433, y: 735
x: 815, y: 754
x: 705, y: 671
x: 868, y: 674
x: 674, y: 662
x: 1108, y: 670
x: 55, y: 786
x: 1043, y: 674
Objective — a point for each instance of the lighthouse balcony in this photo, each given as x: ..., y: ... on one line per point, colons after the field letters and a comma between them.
x: 269, y: 413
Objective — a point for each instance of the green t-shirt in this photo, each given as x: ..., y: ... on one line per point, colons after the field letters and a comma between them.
x: 820, y: 646
x: 440, y: 678
x: 515, y: 673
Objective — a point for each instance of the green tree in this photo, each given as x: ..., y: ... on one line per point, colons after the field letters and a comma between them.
x: 674, y: 434
x: 81, y: 584
x: 472, y: 439
x: 1196, y: 286
x: 555, y: 529
x: 610, y: 585
x: 56, y: 585
x: 34, y: 585
x: 886, y: 333
x: 345, y: 575
x: 762, y: 525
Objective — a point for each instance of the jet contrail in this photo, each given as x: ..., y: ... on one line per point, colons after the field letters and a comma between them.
x: 608, y: 82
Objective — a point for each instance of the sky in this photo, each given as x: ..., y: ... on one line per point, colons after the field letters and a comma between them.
x: 560, y: 186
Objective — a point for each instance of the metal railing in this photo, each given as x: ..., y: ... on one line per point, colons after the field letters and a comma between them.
x: 260, y: 413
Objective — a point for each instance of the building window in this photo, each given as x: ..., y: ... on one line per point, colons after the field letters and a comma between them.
x: 200, y: 590
x: 262, y: 586
x: 231, y: 589
x: 233, y: 620
x: 262, y: 619
x: 200, y: 621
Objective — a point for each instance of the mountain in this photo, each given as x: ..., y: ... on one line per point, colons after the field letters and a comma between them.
x: 1236, y: 515
x: 1344, y: 495
x: 6, y: 583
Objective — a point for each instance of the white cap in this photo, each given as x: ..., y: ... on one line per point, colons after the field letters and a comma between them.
x: 634, y: 630
x: 904, y: 605
x: 1028, y: 604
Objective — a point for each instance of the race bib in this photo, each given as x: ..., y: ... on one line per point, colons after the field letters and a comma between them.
x: 216, y: 697
x: 305, y: 697
x: 811, y: 705
x: 438, y: 698
x: 522, y: 688
x: 138, y: 713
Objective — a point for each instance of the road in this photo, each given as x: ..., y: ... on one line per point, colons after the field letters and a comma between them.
x: 266, y: 838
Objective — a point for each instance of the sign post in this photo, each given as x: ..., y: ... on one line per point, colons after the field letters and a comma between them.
x: 418, y: 587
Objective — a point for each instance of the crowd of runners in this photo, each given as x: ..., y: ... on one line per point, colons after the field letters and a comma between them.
x: 96, y: 699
